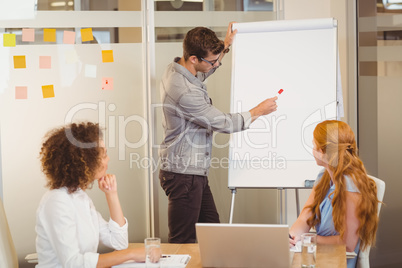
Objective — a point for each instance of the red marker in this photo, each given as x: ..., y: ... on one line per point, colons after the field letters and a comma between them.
x: 279, y: 93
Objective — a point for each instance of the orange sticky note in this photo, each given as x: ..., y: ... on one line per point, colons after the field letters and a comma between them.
x: 48, y: 91
x: 49, y: 35
x: 9, y: 40
x: 68, y: 37
x: 28, y: 35
x: 19, y: 62
x: 107, y: 55
x: 107, y: 83
x: 86, y: 35
x: 45, y: 62
x: 21, y: 93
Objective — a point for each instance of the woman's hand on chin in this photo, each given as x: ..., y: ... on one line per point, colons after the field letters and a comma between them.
x: 107, y: 183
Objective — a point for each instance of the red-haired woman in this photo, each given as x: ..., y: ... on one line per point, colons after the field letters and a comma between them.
x: 343, y: 203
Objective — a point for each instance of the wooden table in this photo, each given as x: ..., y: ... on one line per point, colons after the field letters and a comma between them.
x: 328, y: 256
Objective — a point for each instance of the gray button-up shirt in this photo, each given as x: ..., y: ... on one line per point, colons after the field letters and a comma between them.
x: 189, y: 121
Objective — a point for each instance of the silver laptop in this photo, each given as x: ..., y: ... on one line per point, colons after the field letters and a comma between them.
x: 243, y: 245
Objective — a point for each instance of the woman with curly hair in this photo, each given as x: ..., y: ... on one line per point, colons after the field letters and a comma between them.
x: 343, y: 203
x: 68, y: 226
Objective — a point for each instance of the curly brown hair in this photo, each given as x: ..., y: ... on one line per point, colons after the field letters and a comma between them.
x: 199, y: 41
x: 71, y: 155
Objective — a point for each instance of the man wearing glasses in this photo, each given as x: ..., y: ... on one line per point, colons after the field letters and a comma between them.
x: 189, y: 121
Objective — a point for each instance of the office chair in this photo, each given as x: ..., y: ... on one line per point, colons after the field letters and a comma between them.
x: 363, y: 257
x: 8, y: 255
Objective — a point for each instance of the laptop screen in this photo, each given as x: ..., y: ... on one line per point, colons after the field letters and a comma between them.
x: 243, y: 245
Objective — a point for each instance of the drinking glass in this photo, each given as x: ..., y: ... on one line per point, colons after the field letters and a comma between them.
x: 309, y: 249
x: 152, y: 251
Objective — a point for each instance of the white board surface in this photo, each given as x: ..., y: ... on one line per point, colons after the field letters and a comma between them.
x: 299, y: 57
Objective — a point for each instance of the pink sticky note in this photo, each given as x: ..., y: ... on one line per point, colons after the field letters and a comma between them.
x: 28, y: 35
x: 21, y: 93
x: 69, y: 37
x: 107, y: 83
x: 45, y: 62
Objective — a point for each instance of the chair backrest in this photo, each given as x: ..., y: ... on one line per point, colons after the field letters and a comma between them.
x: 363, y: 258
x: 8, y: 255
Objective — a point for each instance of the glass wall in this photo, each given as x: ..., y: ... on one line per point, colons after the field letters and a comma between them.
x: 379, y: 115
x: 82, y: 62
x: 62, y: 43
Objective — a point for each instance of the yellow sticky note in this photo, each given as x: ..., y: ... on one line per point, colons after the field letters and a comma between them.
x: 48, y: 91
x: 19, y: 62
x: 49, y: 35
x: 9, y: 40
x: 86, y: 35
x: 107, y: 55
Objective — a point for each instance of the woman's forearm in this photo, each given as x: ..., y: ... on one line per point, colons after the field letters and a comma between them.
x: 116, y: 212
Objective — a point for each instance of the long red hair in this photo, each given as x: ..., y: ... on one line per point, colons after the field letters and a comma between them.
x: 337, y: 141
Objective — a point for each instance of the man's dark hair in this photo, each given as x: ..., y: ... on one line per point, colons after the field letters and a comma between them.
x: 199, y: 41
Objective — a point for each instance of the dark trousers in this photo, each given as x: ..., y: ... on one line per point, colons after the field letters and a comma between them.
x: 190, y: 201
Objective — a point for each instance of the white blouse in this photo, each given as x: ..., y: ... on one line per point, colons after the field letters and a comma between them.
x: 69, y: 229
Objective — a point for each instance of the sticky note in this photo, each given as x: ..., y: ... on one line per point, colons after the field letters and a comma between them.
x: 45, y: 62
x: 21, y: 93
x: 19, y: 62
x: 71, y: 56
x: 48, y: 91
x: 86, y: 35
x: 28, y: 35
x: 49, y: 35
x: 107, y: 83
x: 68, y: 37
x: 107, y: 55
x: 90, y: 70
x: 9, y: 40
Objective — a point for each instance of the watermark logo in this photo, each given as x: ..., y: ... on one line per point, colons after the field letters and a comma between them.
x: 247, y: 161
x: 187, y: 130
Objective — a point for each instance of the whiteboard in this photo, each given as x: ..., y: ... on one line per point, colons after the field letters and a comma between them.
x: 299, y: 57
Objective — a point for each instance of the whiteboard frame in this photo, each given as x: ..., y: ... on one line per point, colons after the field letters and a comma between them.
x: 311, y: 175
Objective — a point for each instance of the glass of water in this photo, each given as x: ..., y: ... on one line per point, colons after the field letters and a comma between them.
x: 309, y: 249
x: 152, y: 251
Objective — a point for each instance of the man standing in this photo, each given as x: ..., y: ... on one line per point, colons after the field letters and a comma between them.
x: 189, y: 122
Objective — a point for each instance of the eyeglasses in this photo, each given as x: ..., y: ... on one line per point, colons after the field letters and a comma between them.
x: 213, y: 62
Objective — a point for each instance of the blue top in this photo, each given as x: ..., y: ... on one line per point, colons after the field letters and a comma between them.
x: 326, y: 226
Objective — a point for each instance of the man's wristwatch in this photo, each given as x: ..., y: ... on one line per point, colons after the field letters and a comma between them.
x: 226, y: 50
